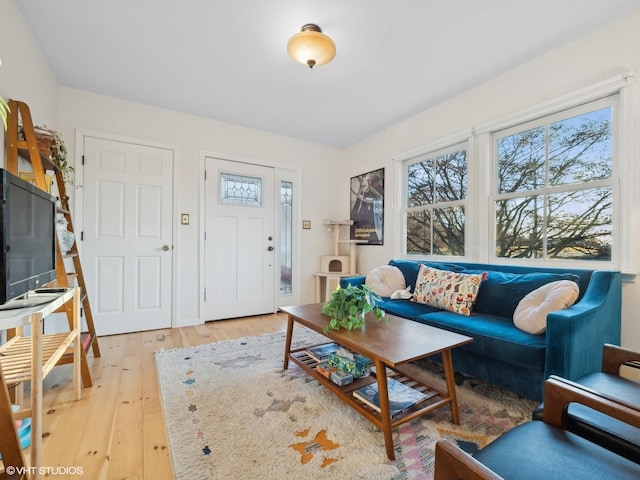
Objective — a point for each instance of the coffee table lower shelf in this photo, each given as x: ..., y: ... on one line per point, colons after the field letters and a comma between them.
x: 435, y: 398
x: 391, y: 346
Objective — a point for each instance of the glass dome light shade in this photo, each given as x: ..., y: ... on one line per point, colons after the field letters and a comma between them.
x: 311, y: 47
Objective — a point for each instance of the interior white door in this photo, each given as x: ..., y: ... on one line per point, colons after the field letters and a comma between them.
x: 239, y: 239
x: 127, y: 225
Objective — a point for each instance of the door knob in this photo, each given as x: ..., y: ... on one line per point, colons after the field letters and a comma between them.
x: 270, y: 248
x: 166, y: 248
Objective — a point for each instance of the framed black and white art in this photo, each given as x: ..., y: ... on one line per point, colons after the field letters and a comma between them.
x: 367, y: 208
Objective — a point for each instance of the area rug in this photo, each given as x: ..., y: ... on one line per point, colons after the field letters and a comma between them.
x: 232, y: 412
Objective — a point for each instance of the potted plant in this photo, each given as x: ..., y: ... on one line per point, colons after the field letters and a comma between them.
x: 53, y: 140
x: 348, y: 307
x: 4, y: 111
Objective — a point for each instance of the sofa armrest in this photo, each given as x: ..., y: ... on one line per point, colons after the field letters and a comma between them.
x: 613, y: 357
x: 575, y: 335
x: 355, y: 281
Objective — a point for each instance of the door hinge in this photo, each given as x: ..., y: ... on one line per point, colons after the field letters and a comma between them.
x: 82, y: 159
x: 82, y: 235
x: 205, y: 174
x: 205, y: 294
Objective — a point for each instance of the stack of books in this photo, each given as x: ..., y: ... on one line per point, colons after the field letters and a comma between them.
x: 401, y: 396
x: 320, y: 353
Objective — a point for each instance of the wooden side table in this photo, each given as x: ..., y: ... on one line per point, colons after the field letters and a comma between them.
x: 31, y: 358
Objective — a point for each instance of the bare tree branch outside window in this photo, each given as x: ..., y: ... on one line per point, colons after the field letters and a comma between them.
x: 560, y: 213
x: 436, y: 191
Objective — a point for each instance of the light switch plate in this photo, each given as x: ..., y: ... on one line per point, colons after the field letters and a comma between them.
x: 185, y: 219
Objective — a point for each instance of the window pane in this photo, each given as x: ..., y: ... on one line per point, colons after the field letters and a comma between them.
x: 418, y: 233
x: 420, y: 184
x: 240, y: 190
x: 580, y: 226
x: 519, y: 223
x: 434, y: 184
x: 451, y: 176
x: 448, y: 231
x: 521, y: 161
x: 286, y: 236
x: 580, y: 148
x: 557, y: 215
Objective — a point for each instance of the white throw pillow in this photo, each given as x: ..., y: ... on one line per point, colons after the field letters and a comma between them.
x: 531, y: 313
x: 385, y: 280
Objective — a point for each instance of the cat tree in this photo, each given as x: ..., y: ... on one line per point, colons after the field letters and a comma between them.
x: 334, y: 267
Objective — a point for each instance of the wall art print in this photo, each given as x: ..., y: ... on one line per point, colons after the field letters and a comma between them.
x: 367, y: 207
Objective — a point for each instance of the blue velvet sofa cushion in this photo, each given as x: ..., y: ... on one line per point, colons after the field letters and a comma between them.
x: 406, y: 308
x: 500, y: 292
x: 493, y: 336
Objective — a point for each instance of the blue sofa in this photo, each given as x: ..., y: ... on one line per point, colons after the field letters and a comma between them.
x: 502, y: 354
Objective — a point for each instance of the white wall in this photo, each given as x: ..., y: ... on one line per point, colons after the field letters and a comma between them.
x: 600, y: 55
x: 25, y: 76
x: 24, y: 73
x: 192, y: 135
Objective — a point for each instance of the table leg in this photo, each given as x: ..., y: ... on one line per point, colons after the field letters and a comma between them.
x: 36, y: 393
x: 77, y: 345
x: 385, y: 414
x: 287, y: 343
x: 447, y: 363
x: 318, y: 289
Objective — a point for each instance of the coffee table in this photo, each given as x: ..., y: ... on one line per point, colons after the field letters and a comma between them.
x: 389, y: 347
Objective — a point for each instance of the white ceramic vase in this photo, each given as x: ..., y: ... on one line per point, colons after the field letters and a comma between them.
x: 65, y: 237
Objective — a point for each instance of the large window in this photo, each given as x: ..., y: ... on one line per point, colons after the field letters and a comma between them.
x: 436, y: 193
x: 554, y: 186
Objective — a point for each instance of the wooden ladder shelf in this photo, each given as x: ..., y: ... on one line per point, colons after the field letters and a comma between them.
x: 41, y: 161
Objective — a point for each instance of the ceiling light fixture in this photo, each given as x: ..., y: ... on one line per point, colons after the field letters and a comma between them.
x: 311, y: 46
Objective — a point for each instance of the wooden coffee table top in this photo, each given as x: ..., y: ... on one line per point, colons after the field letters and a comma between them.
x: 399, y: 342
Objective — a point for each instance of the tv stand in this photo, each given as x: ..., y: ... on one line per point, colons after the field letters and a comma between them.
x: 31, y: 358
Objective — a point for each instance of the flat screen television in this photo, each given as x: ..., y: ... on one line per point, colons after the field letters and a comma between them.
x: 28, y: 229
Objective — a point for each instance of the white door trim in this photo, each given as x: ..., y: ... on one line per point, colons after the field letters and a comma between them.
x: 77, y: 199
x: 294, y: 174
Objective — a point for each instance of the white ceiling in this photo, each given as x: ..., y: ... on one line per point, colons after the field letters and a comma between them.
x: 227, y: 60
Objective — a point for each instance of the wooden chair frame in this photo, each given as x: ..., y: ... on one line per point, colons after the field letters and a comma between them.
x: 452, y: 463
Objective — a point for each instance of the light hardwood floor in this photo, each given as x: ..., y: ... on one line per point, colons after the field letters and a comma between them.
x: 116, y: 431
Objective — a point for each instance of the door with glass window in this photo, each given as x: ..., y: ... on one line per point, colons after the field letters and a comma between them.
x: 240, y: 242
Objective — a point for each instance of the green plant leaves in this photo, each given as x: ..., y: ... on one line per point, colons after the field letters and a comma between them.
x: 348, y: 307
x: 4, y: 111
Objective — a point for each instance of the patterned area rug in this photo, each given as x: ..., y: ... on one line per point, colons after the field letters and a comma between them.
x: 232, y: 412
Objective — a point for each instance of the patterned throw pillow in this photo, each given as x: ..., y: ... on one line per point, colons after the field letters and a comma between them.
x: 452, y: 291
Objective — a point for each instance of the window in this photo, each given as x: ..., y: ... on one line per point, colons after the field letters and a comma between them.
x: 286, y: 237
x: 554, y: 186
x: 240, y: 190
x: 436, y: 193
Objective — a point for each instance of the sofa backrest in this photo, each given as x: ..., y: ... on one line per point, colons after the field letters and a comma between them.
x: 504, y: 286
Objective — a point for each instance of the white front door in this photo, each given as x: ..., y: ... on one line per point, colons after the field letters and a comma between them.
x: 239, y: 239
x: 127, y: 226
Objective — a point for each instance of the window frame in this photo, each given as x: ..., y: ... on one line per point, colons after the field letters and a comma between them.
x: 462, y: 141
x: 479, y: 216
x: 612, y: 101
